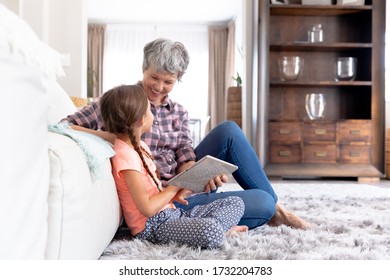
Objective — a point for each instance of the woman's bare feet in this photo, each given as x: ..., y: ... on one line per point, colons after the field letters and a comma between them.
x: 236, y: 229
x: 285, y: 217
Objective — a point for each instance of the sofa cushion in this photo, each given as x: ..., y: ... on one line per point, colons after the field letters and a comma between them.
x: 84, y: 214
x: 24, y: 174
x: 60, y: 104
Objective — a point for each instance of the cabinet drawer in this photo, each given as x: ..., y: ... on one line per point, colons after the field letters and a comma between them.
x: 285, y: 132
x: 320, y: 153
x: 355, y: 154
x: 319, y: 132
x: 354, y: 131
x: 285, y: 153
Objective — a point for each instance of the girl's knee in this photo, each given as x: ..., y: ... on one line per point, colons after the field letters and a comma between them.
x: 211, y: 235
x: 237, y: 203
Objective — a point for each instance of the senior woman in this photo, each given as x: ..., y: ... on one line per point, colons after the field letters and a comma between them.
x: 164, y: 64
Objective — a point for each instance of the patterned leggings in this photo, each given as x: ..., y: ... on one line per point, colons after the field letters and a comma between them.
x: 202, y: 226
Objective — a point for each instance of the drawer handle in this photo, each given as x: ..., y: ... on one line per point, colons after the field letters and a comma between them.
x: 284, y: 153
x: 354, y: 154
x: 284, y: 131
x: 354, y: 132
x: 320, y: 154
x: 320, y: 131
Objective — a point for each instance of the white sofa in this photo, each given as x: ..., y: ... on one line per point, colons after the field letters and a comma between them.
x: 51, y: 207
x: 84, y: 210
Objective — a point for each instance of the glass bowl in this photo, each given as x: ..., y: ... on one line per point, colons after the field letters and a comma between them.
x: 345, y: 69
x: 290, y: 67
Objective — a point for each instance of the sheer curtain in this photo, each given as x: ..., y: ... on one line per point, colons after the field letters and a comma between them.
x: 124, y: 53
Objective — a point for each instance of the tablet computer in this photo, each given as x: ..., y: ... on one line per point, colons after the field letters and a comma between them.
x: 197, y: 176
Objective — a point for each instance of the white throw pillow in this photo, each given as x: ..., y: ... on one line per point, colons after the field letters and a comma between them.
x: 19, y: 40
x: 60, y: 104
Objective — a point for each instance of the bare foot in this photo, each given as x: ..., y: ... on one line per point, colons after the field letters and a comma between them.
x: 236, y: 229
x: 285, y: 217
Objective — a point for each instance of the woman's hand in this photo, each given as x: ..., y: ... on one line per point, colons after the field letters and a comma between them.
x: 186, y: 165
x: 216, y: 182
x: 182, y: 195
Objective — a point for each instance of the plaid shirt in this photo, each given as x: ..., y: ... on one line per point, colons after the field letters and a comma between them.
x: 169, y: 139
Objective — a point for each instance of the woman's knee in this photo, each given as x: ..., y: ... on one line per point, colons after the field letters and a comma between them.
x: 258, y: 203
x: 264, y: 202
x: 227, y: 128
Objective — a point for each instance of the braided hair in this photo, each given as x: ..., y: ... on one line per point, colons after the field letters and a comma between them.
x: 121, y: 107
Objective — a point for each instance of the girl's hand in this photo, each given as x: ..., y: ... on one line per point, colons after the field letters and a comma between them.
x: 182, y: 195
x: 216, y: 182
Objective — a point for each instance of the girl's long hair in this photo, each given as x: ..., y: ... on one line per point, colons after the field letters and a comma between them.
x: 121, y: 107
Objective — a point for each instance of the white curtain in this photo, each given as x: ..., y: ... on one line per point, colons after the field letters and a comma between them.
x: 124, y: 53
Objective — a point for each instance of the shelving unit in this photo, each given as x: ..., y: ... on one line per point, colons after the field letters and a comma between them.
x: 349, y: 141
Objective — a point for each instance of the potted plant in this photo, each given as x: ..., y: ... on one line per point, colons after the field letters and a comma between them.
x: 238, y: 80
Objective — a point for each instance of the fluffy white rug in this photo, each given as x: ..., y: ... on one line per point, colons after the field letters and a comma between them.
x: 352, y: 221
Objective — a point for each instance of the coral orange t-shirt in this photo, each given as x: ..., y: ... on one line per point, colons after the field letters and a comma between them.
x: 126, y: 158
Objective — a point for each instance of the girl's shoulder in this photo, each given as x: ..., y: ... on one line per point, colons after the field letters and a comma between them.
x: 121, y: 146
x: 125, y: 156
x: 145, y: 147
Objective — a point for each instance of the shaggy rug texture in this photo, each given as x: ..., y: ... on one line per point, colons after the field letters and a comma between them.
x: 351, y: 222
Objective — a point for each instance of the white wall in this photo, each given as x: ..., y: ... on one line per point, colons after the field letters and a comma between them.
x: 68, y: 34
x: 13, y: 5
x: 62, y: 24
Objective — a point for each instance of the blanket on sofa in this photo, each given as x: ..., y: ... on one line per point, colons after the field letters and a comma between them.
x: 95, y: 149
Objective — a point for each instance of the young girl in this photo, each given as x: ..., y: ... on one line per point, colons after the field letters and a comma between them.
x: 147, y: 207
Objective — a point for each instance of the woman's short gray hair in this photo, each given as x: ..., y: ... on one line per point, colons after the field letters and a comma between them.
x: 166, y: 56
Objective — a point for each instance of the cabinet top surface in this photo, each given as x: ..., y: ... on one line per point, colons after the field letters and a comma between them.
x: 326, y: 10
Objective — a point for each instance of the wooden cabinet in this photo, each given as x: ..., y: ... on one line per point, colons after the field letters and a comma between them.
x: 349, y: 140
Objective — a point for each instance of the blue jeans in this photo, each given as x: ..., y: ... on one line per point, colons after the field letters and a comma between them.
x: 227, y: 142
